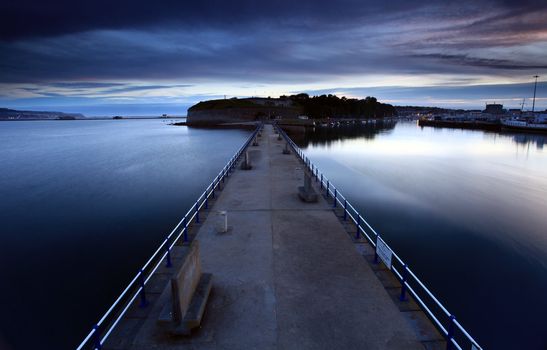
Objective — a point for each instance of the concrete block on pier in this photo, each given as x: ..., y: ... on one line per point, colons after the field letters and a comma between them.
x: 190, y: 289
x: 221, y: 222
x: 246, y: 164
x: 306, y: 192
x: 286, y: 149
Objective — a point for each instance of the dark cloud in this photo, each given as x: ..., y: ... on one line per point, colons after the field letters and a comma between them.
x: 34, y: 18
x: 128, y: 46
x: 24, y: 19
x: 491, y: 63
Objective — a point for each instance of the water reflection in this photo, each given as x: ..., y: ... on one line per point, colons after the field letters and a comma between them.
x: 466, y: 209
x: 83, y: 204
x: 530, y: 139
x: 330, y: 134
x: 326, y: 135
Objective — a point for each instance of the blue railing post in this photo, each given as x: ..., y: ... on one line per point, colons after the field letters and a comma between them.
x: 97, y: 337
x: 144, y: 302
x: 321, y: 181
x: 168, y: 257
x: 213, y: 190
x: 197, y: 212
x: 376, y: 251
x: 402, y: 297
x: 315, y: 174
x: 334, y: 203
x: 223, y: 176
x: 345, y: 209
x: 358, y: 224
x: 185, y: 230
x: 327, y: 193
x: 206, y: 200
x: 450, y: 332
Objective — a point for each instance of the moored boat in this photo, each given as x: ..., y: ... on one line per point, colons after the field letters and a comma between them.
x: 536, y: 123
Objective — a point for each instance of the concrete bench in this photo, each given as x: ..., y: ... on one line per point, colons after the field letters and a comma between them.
x: 190, y: 289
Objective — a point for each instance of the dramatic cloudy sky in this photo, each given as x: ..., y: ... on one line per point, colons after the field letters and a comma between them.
x: 132, y: 57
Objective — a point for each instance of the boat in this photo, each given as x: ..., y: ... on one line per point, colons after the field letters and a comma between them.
x: 534, y: 123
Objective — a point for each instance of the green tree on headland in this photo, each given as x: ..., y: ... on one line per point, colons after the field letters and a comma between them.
x: 315, y: 107
x: 332, y: 106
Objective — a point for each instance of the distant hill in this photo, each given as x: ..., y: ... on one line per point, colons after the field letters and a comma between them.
x: 286, y: 107
x: 12, y: 114
x: 234, y: 110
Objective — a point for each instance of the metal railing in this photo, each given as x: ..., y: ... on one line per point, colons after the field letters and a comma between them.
x: 455, y: 334
x: 137, y: 287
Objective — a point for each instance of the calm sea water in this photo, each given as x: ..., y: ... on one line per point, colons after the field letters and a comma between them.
x: 467, y: 210
x: 83, y: 204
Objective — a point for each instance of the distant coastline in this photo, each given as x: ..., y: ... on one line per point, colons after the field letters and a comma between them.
x: 12, y: 114
x: 7, y: 114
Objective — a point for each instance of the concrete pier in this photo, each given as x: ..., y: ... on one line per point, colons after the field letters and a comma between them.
x: 287, y: 275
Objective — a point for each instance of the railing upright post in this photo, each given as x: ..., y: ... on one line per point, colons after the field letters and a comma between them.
x: 376, y: 251
x: 345, y: 210
x: 358, y: 224
x: 97, y: 337
x: 334, y: 202
x: 144, y: 302
x: 321, y: 181
x: 168, y: 257
x: 213, y: 189
x: 197, y: 212
x: 185, y: 230
x: 402, y: 297
x: 206, y: 200
x: 450, y: 332
x: 327, y: 193
x: 316, y: 174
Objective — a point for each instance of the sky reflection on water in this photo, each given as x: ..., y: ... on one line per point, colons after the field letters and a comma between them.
x: 466, y: 209
x: 83, y: 205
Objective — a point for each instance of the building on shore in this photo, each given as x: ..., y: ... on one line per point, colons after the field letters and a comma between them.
x: 494, y: 108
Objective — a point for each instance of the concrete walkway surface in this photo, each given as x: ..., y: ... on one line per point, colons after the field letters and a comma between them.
x: 286, y: 274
